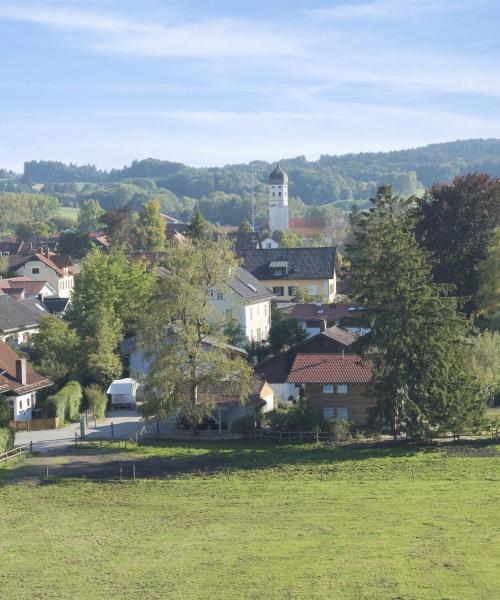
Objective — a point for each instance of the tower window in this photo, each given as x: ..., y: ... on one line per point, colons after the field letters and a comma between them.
x: 274, y: 193
x: 279, y: 193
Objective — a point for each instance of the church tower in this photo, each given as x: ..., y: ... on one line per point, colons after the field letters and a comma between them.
x: 278, y: 200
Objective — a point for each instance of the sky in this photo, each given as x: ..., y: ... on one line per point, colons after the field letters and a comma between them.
x: 212, y: 82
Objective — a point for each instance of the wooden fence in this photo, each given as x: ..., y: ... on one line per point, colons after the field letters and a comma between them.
x: 14, y: 453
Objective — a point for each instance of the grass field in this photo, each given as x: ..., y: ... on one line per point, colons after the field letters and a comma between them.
x: 242, y: 521
x: 68, y: 212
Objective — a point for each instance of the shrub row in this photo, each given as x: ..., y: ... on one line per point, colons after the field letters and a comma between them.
x: 7, y: 435
x: 97, y: 400
x: 66, y: 403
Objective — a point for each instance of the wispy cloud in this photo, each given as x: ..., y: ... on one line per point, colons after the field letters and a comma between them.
x: 195, y: 39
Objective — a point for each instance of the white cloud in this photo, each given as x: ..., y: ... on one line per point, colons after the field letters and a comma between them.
x: 201, y: 39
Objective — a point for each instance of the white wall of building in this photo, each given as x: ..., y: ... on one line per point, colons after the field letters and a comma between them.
x: 22, y: 406
x: 278, y: 207
x: 254, y: 319
x: 39, y: 271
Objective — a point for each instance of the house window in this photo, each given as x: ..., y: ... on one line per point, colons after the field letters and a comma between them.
x: 328, y: 388
x: 28, y: 402
x: 342, y: 413
x: 20, y: 404
x: 341, y: 388
x: 259, y: 335
x: 250, y: 312
x: 279, y: 193
x: 278, y: 291
x: 265, y: 310
x: 35, y: 270
x: 292, y: 290
x: 327, y: 413
x: 274, y: 194
x: 220, y: 296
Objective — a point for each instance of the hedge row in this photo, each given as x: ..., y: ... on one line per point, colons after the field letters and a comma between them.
x: 66, y: 403
x: 7, y: 435
x: 96, y: 400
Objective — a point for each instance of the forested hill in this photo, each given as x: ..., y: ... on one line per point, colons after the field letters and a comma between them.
x: 313, y: 181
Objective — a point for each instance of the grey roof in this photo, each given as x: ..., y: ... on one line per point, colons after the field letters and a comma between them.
x: 278, y: 176
x: 248, y: 287
x: 55, y: 305
x: 340, y: 335
x: 19, y: 314
x: 303, y: 263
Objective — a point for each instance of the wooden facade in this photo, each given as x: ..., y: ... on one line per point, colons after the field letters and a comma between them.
x: 358, y: 400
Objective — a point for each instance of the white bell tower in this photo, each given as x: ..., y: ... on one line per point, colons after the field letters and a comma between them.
x: 278, y: 200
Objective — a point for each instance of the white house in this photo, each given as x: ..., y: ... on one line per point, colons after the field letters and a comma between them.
x: 269, y: 242
x: 56, y: 269
x: 248, y: 302
x: 19, y: 383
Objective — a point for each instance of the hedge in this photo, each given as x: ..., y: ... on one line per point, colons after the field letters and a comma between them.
x: 66, y: 403
x: 7, y: 435
x: 97, y: 400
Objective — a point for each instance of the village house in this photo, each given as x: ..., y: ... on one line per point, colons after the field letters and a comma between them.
x: 24, y: 287
x: 286, y: 270
x: 57, y: 270
x: 19, y: 383
x: 315, y: 318
x: 248, y: 302
x: 326, y: 371
x: 19, y: 319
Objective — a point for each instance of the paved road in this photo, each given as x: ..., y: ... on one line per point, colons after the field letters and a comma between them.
x: 125, y: 424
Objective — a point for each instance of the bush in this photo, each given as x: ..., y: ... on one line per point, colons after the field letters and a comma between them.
x: 97, y: 400
x: 297, y: 417
x: 244, y: 424
x: 66, y: 403
x: 7, y: 435
x: 341, y: 429
x: 73, y: 391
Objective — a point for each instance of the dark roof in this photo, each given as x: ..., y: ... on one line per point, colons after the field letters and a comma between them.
x: 245, y: 240
x: 56, y: 305
x: 8, y: 378
x: 323, y: 312
x: 173, y: 228
x: 277, y: 368
x: 347, y: 338
x: 248, y: 287
x: 330, y: 368
x: 19, y: 314
x: 303, y: 263
x: 278, y: 176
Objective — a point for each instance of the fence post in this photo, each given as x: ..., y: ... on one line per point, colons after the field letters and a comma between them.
x: 157, y: 429
x: 321, y: 470
x: 413, y: 473
x: 31, y: 446
x: 47, y: 473
x: 76, y: 440
x: 121, y: 474
x: 133, y: 471
x: 112, y: 431
x: 136, y: 437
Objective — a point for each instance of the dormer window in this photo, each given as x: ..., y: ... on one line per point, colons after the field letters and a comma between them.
x: 279, y: 268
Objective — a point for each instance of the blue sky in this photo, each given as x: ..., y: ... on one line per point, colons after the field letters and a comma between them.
x: 216, y: 82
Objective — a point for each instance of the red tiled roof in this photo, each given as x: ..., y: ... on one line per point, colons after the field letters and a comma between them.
x: 8, y: 380
x: 307, y: 226
x: 22, y: 283
x: 330, y: 368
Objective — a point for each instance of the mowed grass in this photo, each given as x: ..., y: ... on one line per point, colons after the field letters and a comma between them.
x: 236, y: 521
x: 68, y: 212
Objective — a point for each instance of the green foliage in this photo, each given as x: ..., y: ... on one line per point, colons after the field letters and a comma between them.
x: 75, y: 243
x: 97, y: 400
x: 420, y: 375
x: 198, y: 227
x: 284, y: 332
x: 4, y: 266
x: 25, y: 208
x: 89, y: 216
x: 303, y: 296
x: 234, y: 333
x: 185, y: 374
x: 245, y: 226
x: 484, y: 361
x: 65, y: 404
x: 489, y: 284
x: 294, y: 417
x: 288, y: 239
x: 109, y: 283
x: 7, y: 437
x: 244, y: 424
x: 103, y: 363
x: 120, y: 227
x: 27, y: 231
x: 151, y: 229
x: 55, y: 350
x: 456, y: 223
x: 5, y: 412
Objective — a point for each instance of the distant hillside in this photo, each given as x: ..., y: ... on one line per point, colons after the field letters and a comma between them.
x: 224, y: 192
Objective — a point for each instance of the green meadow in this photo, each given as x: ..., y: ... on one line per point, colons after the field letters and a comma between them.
x: 240, y: 521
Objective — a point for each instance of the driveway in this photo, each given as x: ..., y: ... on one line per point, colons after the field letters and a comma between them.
x: 125, y: 425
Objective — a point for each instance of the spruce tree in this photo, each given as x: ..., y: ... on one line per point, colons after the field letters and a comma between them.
x: 417, y: 336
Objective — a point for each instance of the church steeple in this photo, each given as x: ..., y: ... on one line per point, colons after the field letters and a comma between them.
x: 278, y: 200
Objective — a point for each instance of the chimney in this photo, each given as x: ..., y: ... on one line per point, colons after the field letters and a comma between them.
x: 46, y: 252
x: 21, y: 370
